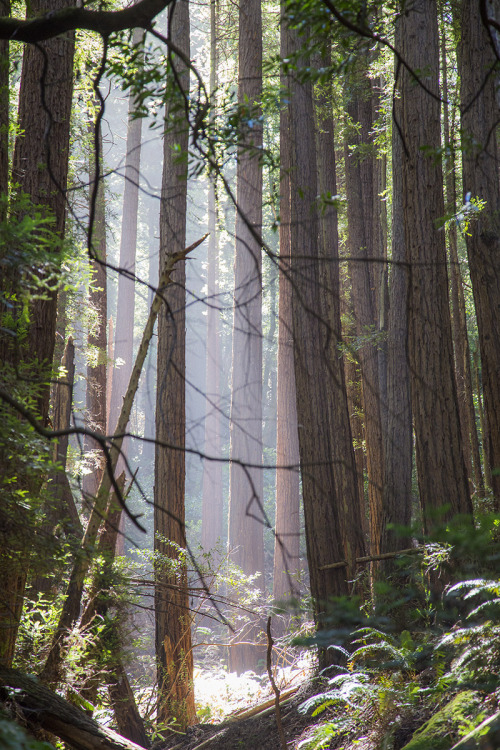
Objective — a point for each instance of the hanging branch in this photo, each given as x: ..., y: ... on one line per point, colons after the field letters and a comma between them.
x: 372, y: 558
x: 71, y: 607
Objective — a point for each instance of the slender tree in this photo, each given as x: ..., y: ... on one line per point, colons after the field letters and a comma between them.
x: 398, y: 448
x: 97, y: 337
x: 212, y: 503
x: 173, y: 619
x: 459, y: 316
x: 359, y: 172
x: 286, y: 547
x: 246, y: 522
x: 124, y: 331
x: 441, y: 469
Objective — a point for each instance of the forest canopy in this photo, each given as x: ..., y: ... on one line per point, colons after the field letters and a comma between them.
x: 249, y: 361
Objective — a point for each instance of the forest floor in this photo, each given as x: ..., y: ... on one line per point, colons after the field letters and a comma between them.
x: 372, y: 724
x: 258, y: 732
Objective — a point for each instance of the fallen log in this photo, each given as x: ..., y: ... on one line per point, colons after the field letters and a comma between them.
x: 44, y: 709
x: 246, y: 713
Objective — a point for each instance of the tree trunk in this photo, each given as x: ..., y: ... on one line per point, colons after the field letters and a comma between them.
x: 352, y: 376
x: 124, y: 330
x: 360, y: 217
x: 398, y: 449
x: 62, y: 509
x: 173, y: 619
x: 97, y: 338
x: 459, y: 318
x: 246, y: 520
x: 329, y: 483
x: 345, y: 468
x: 441, y: 469
x: 480, y: 112
x: 40, y: 169
x: 482, y: 420
x: 40, y: 164
x: 286, y: 546
x: 212, y: 503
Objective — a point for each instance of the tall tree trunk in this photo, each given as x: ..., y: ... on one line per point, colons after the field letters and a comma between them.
x: 124, y: 330
x: 480, y: 112
x: 286, y: 546
x: 459, y: 318
x: 40, y: 169
x: 398, y: 448
x: 246, y: 521
x: 173, y: 620
x: 441, y: 469
x: 212, y: 505
x: 361, y: 224
x: 330, y: 292
x: 329, y: 483
x: 40, y: 164
x: 97, y: 338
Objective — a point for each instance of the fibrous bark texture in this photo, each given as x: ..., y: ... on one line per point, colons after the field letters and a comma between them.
x: 97, y: 338
x: 480, y: 111
x: 40, y: 165
x: 329, y: 483
x: 364, y: 268
x: 246, y: 521
x: 398, y: 446
x: 173, y: 619
x: 441, y: 469
x: 286, y: 548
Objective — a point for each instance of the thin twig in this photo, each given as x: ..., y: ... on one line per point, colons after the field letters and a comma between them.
x: 274, y: 686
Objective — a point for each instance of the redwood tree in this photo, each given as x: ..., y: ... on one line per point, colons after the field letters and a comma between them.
x: 40, y: 169
x: 329, y: 482
x: 246, y: 522
x: 441, y: 469
x: 173, y: 619
x: 477, y: 59
x: 287, y: 525
x: 364, y: 273
x: 97, y: 337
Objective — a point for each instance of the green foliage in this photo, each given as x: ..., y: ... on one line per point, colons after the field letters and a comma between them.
x: 454, y: 720
x: 14, y: 737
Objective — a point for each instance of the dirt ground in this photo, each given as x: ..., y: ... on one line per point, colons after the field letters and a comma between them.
x: 255, y: 733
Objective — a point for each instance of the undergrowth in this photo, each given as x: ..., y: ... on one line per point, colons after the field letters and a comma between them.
x: 388, y: 674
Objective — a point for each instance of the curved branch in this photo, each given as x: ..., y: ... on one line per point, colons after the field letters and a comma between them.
x: 104, y: 22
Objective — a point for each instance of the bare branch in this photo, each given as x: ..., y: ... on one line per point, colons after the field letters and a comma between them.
x: 104, y: 22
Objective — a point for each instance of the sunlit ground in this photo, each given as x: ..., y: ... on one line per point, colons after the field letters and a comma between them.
x: 219, y: 693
